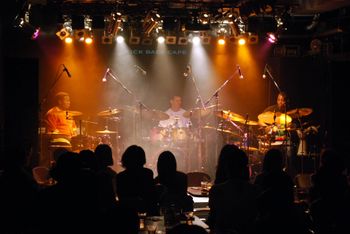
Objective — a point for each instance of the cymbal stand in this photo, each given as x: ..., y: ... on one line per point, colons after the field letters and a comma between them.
x: 140, y: 104
x: 40, y: 113
x: 267, y: 69
x: 198, y: 99
x: 302, y: 136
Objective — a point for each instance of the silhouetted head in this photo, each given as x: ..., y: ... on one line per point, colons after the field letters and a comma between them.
x: 133, y: 157
x: 104, y: 155
x: 273, y: 161
x: 166, y: 163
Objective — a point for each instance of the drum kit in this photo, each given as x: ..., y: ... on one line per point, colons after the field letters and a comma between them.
x: 277, y: 126
x: 255, y: 137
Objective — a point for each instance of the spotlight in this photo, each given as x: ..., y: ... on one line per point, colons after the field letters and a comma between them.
x: 242, y: 41
x: 161, y: 39
x: 196, y: 40
x: 271, y: 38
x: 221, y: 40
x: 120, y: 39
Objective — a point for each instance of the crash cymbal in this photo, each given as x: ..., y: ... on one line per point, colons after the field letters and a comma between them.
x: 109, y: 112
x: 226, y: 114
x: 270, y: 117
x: 299, y: 112
x: 198, y: 112
x: 221, y: 130
x: 155, y: 114
x: 106, y: 131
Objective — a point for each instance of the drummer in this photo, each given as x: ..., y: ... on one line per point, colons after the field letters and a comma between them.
x: 176, y: 115
x: 274, y: 118
x: 59, y: 122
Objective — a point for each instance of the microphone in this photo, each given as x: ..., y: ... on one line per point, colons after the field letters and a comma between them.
x: 104, y: 79
x: 143, y: 72
x: 240, y: 73
x: 66, y: 70
x: 264, y: 72
x: 187, y: 72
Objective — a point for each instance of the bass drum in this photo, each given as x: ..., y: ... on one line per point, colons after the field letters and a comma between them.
x: 180, y: 156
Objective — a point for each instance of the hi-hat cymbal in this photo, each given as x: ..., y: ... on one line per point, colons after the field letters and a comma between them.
x: 299, y: 112
x: 225, y: 114
x: 198, y: 112
x: 155, y: 114
x: 270, y: 117
x: 109, y: 112
x: 106, y: 131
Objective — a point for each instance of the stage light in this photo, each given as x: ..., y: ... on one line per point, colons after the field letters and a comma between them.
x: 120, y: 39
x: 271, y: 37
x: 161, y: 39
x: 221, y: 41
x: 242, y: 41
x: 196, y: 40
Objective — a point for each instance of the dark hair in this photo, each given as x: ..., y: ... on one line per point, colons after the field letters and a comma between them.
x: 226, y: 152
x: 166, y: 163
x: 273, y: 160
x: 104, y: 156
x: 133, y: 157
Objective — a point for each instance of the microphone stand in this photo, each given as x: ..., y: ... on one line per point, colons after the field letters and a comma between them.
x: 216, y: 95
x: 285, y: 110
x: 40, y: 113
x: 140, y: 104
x: 200, y: 158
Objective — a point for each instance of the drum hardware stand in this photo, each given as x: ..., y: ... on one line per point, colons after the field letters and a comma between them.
x: 140, y: 104
x: 216, y: 95
x: 41, y: 104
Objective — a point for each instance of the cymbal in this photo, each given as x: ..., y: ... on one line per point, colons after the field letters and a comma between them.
x: 270, y: 117
x: 252, y: 149
x: 155, y: 114
x: 221, y: 130
x: 72, y: 113
x: 299, y: 112
x: 198, y: 112
x: 108, y: 112
x: 106, y: 131
x: 226, y: 114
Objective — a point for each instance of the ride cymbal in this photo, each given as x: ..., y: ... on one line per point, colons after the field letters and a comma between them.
x: 299, y: 112
x: 198, y: 112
